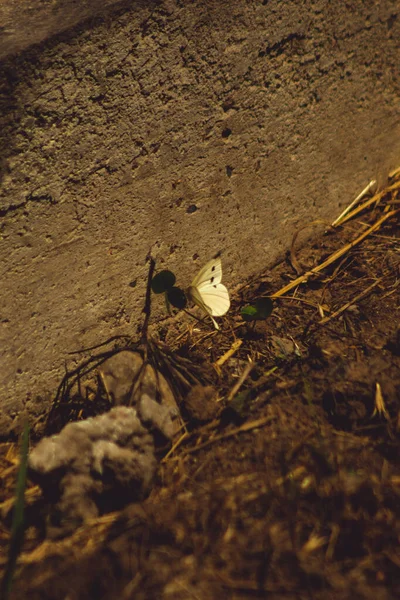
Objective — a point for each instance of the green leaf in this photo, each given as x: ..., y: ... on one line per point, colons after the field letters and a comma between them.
x: 264, y: 307
x: 162, y: 282
x: 249, y: 313
x: 240, y: 404
x: 177, y: 297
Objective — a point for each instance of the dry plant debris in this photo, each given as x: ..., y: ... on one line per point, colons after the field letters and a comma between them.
x: 291, y: 487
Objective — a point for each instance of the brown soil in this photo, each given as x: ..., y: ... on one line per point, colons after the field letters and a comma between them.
x: 293, y: 490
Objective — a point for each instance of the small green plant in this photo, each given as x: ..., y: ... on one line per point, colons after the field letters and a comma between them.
x: 177, y: 297
x: 259, y: 312
x: 239, y: 407
x: 164, y: 283
x: 18, y: 524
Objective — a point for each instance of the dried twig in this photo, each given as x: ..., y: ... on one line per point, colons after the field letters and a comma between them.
x: 223, y: 436
x: 178, y: 443
x: 333, y: 257
x: 234, y: 348
x: 362, y: 294
x: 147, y: 304
x: 374, y: 200
x: 355, y: 201
x: 394, y: 173
x: 246, y: 372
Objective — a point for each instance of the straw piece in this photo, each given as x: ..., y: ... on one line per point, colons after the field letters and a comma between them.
x: 380, y: 408
x: 355, y: 201
x: 234, y: 348
x: 247, y: 370
x: 394, y: 173
x: 333, y: 257
x: 183, y: 437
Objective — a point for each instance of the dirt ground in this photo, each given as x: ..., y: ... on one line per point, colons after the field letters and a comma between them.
x: 286, y: 483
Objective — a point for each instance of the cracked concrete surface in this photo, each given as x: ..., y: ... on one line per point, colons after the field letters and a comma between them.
x: 27, y: 22
x: 185, y: 127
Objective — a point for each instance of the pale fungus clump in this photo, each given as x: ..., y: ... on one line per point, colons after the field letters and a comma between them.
x: 102, y: 463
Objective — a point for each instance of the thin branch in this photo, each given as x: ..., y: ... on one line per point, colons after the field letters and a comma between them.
x: 147, y: 303
x: 362, y: 294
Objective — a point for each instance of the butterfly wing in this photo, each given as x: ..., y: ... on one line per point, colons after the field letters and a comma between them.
x: 216, y: 298
x: 208, y: 292
x: 196, y: 297
x: 210, y: 273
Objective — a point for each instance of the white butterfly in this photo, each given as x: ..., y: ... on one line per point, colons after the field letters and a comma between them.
x: 207, y: 291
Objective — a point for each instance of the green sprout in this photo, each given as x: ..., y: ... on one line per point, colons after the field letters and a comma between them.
x: 18, y: 521
x: 164, y: 283
x: 249, y: 313
x: 176, y: 297
x: 261, y: 310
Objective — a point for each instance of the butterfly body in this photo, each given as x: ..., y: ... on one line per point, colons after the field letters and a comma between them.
x: 207, y: 291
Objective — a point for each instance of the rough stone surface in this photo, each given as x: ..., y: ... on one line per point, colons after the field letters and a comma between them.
x: 185, y: 127
x: 106, y: 458
x: 27, y: 22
